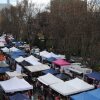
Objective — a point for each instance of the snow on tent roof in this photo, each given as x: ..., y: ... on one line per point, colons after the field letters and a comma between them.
x: 61, y: 62
x: 94, y: 75
x: 71, y: 87
x: 49, y: 79
x: 19, y: 96
x: 15, y: 84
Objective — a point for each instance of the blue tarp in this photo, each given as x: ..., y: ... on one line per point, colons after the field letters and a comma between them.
x: 51, y: 59
x: 84, y: 96
x: 18, y: 96
x: 91, y: 95
x: 52, y: 71
x: 19, y: 43
x: 94, y: 75
x: 4, y: 69
x: 95, y: 93
x: 63, y: 76
x: 17, y: 54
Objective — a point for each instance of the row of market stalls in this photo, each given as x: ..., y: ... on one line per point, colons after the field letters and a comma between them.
x: 65, y: 88
x: 48, y: 70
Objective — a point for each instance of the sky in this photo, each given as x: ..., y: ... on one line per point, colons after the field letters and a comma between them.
x: 44, y: 2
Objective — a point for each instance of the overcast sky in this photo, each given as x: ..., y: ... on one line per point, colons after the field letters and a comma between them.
x: 45, y: 2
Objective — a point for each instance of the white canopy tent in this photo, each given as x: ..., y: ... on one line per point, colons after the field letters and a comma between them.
x: 20, y: 59
x: 13, y: 49
x: 5, y: 49
x: 78, y: 69
x: 80, y: 84
x: 75, y: 70
x: 37, y: 68
x: 43, y: 53
x: 46, y: 54
x: 15, y: 74
x: 71, y: 87
x: 61, y: 56
x: 2, y: 44
x: 51, y: 54
x: 19, y: 68
x: 31, y: 61
x: 2, y: 41
x: 28, y: 59
x: 86, y: 70
x: 49, y: 79
x: 15, y: 84
x: 31, y: 58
